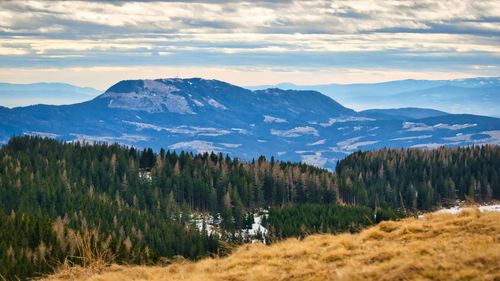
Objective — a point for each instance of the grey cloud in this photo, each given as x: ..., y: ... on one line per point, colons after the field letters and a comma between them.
x: 184, y: 34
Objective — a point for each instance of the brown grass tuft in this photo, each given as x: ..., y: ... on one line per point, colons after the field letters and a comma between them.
x: 437, y: 247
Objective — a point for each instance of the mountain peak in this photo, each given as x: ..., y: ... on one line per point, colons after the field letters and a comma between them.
x: 146, y: 95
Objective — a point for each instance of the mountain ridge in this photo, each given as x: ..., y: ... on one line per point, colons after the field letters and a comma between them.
x: 479, y: 95
x: 210, y: 115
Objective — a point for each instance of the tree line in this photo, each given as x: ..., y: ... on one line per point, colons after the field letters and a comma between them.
x: 420, y: 179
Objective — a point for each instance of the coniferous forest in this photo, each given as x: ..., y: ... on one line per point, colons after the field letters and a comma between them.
x: 135, y: 206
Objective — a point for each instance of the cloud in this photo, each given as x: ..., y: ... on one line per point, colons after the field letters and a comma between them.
x: 402, y: 35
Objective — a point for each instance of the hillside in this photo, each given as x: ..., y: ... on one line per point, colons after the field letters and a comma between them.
x: 144, y: 207
x: 463, y: 246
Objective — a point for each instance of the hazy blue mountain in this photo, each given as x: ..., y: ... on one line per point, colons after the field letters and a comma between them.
x: 209, y: 115
x: 475, y: 95
x: 13, y: 95
x: 402, y: 113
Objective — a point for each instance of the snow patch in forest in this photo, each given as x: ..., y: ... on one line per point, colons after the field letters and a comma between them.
x: 257, y: 227
x: 458, y: 209
x: 212, y: 226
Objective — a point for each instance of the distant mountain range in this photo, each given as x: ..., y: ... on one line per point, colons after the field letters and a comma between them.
x: 14, y: 95
x: 209, y: 115
x: 474, y: 96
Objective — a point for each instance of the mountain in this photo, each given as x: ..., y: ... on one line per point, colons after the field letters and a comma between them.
x: 408, y: 112
x: 209, y: 115
x: 14, y: 95
x: 474, y: 95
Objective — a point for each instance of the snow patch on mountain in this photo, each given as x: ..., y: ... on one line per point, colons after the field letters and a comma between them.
x: 140, y: 126
x: 191, y: 130
x: 241, y: 131
x: 494, y: 134
x: 348, y: 141
x: 417, y: 127
x: 123, y: 139
x: 315, y: 159
x: 42, y: 134
x: 154, y: 97
x: 479, y: 138
x: 216, y: 104
x: 353, y: 144
x: 318, y: 142
x: 356, y: 145
x: 432, y: 145
x: 332, y: 121
x: 467, y: 138
x: 271, y: 119
x: 201, y: 131
x: 231, y: 145
x: 412, y: 138
x: 197, y: 102
x: 295, y: 132
x: 197, y: 145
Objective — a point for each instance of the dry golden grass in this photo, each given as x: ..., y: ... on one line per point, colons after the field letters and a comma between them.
x: 465, y: 246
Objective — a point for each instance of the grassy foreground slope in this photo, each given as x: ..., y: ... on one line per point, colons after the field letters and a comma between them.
x: 463, y: 246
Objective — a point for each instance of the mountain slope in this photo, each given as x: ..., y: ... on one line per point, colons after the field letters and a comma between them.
x: 432, y: 248
x: 209, y: 115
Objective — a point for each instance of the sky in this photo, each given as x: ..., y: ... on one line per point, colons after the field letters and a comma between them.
x: 98, y: 43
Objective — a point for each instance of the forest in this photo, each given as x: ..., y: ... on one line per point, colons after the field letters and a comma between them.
x: 136, y: 205
x: 420, y: 179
